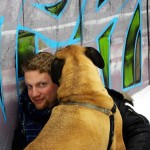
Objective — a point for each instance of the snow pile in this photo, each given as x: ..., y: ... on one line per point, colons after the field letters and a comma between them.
x: 141, y: 102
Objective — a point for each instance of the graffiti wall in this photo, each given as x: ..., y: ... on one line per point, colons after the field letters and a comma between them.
x: 116, y: 28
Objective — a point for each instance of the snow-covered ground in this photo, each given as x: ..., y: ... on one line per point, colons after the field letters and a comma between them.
x: 141, y: 102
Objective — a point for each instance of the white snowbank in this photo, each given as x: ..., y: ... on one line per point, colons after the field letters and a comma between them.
x: 141, y: 102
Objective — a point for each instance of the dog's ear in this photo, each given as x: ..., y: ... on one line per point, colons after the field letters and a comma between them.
x: 56, y: 70
x: 95, y: 56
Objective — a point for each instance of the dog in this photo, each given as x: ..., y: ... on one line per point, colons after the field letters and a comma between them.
x: 86, y: 117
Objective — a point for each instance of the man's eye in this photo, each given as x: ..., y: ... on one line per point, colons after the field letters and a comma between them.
x: 42, y: 84
x: 29, y: 86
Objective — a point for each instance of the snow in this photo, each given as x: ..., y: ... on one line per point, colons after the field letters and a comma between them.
x: 141, y: 102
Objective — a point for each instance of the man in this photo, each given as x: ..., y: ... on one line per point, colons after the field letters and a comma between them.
x: 38, y: 99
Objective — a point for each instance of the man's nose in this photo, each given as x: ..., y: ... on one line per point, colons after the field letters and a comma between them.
x: 35, y: 92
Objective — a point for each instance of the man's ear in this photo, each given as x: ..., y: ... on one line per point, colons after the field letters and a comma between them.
x: 56, y: 70
x: 95, y: 56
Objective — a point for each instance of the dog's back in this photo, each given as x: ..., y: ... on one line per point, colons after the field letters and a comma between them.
x: 74, y: 127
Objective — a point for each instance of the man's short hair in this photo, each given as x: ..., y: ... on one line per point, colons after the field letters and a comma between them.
x: 40, y: 61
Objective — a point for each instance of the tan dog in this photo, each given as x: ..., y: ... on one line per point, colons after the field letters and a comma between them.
x: 80, y: 122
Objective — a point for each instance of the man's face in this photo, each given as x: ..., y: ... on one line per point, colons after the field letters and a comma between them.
x: 41, y: 90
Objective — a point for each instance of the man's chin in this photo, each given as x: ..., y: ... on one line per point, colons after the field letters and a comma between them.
x: 39, y: 107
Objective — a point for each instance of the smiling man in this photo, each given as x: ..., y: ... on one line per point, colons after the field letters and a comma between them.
x: 41, y: 90
x: 36, y: 101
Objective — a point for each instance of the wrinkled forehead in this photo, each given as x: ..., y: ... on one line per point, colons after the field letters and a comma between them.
x: 71, y: 50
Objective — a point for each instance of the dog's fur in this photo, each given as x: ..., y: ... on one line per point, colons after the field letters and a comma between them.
x: 73, y: 127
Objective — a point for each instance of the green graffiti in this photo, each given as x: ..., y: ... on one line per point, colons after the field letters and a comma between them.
x: 132, y: 61
x: 26, y: 48
x: 78, y: 34
x: 138, y: 60
x: 56, y: 9
x: 104, y: 45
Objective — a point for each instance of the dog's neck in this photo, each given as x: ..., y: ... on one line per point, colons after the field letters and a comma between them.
x: 83, y: 87
x: 80, y: 81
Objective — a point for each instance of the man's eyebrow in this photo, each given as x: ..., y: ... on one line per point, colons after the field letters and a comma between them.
x: 36, y: 83
x: 26, y: 83
x: 41, y: 82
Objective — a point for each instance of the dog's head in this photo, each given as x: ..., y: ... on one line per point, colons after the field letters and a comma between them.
x: 73, y: 54
x: 75, y: 71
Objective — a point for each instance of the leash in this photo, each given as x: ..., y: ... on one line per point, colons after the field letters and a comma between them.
x: 111, y: 133
x: 106, y: 111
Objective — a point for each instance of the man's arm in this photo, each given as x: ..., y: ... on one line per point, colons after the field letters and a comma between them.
x: 136, y: 128
x: 19, y: 140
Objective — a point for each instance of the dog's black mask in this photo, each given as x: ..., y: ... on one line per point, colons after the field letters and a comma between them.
x: 57, y: 64
x: 56, y: 69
